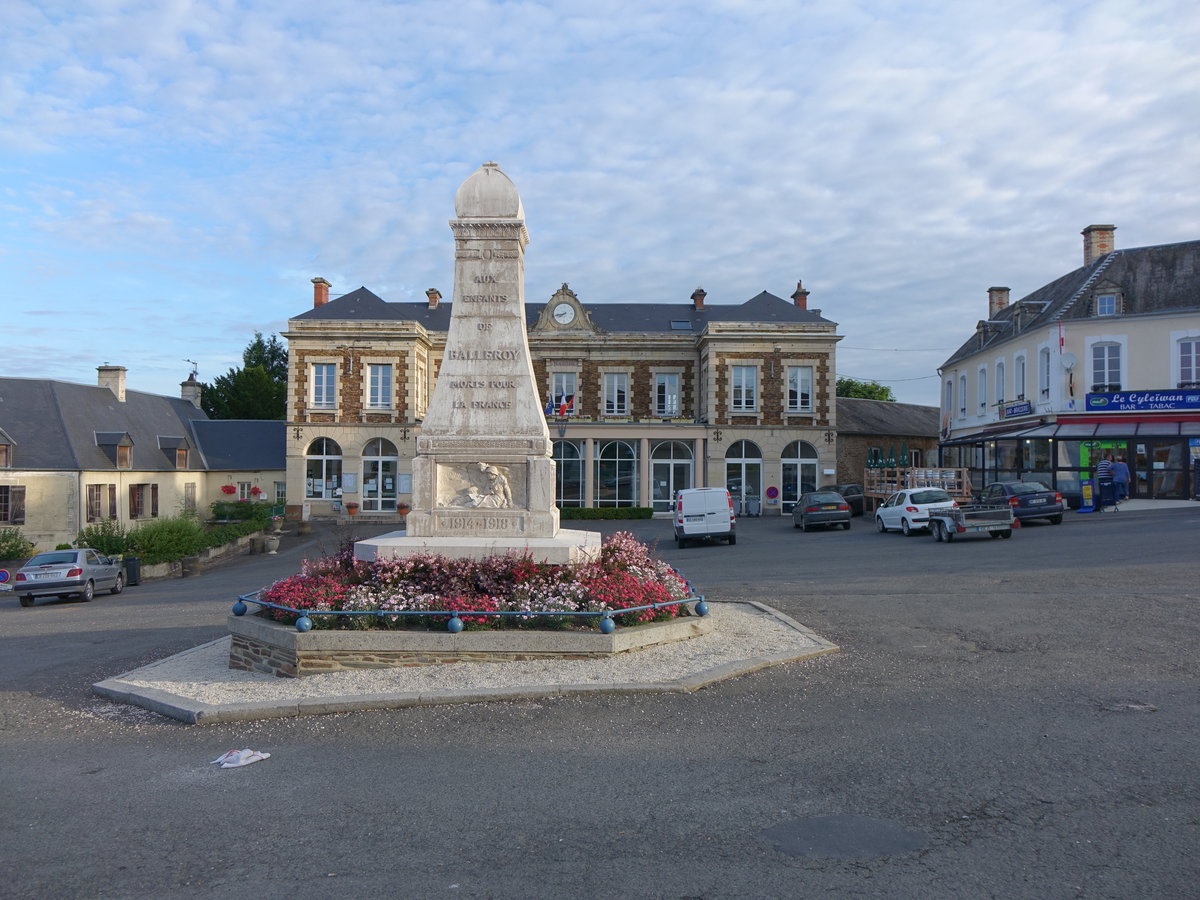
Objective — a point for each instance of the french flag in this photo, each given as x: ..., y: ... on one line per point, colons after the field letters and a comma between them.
x: 565, y: 403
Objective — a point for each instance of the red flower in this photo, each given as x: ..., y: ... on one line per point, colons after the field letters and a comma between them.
x: 256, y: 490
x: 228, y: 489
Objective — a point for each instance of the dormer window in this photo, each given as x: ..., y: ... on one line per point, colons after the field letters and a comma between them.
x: 1106, y: 304
x: 181, y: 458
x: 124, y: 457
x: 5, y: 456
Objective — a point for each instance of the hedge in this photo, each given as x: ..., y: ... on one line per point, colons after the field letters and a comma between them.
x: 606, y: 512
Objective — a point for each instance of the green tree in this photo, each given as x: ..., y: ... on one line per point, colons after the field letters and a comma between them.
x: 865, y: 390
x: 258, y: 390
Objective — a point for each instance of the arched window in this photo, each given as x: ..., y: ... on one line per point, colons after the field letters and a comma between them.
x: 323, y: 469
x: 799, y: 472
x: 616, y: 474
x: 568, y: 461
x: 379, y: 462
x: 999, y: 383
x: 743, y: 476
x: 670, y: 471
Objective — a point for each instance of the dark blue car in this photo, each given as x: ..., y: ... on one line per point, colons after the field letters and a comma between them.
x: 1028, y: 499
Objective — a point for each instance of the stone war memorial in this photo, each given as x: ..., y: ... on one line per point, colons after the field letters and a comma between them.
x: 483, y: 478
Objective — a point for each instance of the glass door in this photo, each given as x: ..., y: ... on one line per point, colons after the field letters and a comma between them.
x: 1158, y: 470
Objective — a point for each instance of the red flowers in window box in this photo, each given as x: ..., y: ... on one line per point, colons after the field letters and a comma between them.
x: 229, y: 489
x: 255, y: 491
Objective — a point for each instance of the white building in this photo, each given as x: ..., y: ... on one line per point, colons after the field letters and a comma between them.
x: 1104, y: 359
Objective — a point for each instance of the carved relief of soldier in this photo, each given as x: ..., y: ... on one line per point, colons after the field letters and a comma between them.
x: 488, y: 489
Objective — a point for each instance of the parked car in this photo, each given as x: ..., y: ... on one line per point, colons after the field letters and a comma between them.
x: 908, y: 510
x: 853, y: 494
x: 1028, y: 499
x: 64, y: 573
x: 703, y: 514
x: 821, y: 508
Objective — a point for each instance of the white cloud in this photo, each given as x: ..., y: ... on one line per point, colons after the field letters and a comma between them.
x: 899, y: 159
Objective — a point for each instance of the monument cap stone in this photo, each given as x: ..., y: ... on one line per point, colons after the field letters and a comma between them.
x: 488, y: 194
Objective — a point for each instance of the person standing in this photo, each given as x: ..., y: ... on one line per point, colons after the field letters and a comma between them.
x: 1104, y: 480
x: 1120, y: 474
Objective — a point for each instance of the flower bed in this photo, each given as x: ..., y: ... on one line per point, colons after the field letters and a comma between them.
x: 624, y: 577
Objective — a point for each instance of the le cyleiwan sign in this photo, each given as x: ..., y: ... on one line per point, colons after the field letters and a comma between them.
x: 1142, y: 401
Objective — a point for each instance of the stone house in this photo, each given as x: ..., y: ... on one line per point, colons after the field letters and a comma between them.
x: 73, y: 455
x: 882, y: 429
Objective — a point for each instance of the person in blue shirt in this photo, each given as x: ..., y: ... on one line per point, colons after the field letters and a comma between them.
x: 1120, y: 476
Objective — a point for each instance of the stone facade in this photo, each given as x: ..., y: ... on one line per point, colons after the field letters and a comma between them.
x: 261, y: 645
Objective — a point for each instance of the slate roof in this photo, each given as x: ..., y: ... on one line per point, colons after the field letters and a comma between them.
x: 62, y: 426
x: 1163, y: 278
x: 858, y: 416
x: 642, y: 318
x: 241, y: 444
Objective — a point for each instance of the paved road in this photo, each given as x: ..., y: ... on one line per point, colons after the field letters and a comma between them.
x: 1007, y: 719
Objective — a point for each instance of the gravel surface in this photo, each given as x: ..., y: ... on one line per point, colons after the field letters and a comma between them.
x: 744, y: 632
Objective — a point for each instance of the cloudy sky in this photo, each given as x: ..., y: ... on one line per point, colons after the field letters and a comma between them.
x: 173, y: 173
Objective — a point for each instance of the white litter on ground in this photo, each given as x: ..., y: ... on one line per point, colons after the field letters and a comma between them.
x: 744, y: 632
x: 235, y: 759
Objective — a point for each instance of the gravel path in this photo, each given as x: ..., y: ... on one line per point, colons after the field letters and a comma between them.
x: 746, y: 633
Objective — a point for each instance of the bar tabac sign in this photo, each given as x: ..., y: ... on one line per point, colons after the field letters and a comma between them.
x: 1143, y: 401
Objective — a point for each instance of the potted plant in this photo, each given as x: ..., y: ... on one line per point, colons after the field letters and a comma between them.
x: 352, y: 508
x: 229, y: 489
x: 256, y: 491
x: 403, y: 508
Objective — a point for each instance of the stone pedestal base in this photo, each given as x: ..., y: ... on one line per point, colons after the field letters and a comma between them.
x: 568, y: 546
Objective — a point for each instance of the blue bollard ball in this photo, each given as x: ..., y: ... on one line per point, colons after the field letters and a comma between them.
x: 239, y: 608
x: 304, y: 623
x: 702, y: 608
x: 455, y: 625
x: 607, y: 625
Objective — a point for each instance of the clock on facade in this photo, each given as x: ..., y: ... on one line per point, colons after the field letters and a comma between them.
x: 564, y: 314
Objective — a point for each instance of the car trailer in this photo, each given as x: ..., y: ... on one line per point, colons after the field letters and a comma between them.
x: 994, y: 521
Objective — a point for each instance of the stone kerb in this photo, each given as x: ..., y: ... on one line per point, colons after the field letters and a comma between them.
x: 260, y: 644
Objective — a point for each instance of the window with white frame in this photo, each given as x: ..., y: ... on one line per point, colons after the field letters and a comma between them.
x: 5, y: 456
x: 95, y: 493
x: 323, y: 469
x: 324, y: 378
x: 1106, y: 304
x: 1106, y: 366
x: 744, y: 383
x: 244, y: 488
x: 962, y: 396
x: 616, y: 394
x: 948, y: 400
x: 564, y: 400
x: 1044, y: 373
x: 1019, y: 377
x: 800, y: 388
x: 666, y: 394
x: 379, y: 386
x: 280, y: 491
x: 1189, y: 362
x: 981, y: 390
x: 1000, y: 384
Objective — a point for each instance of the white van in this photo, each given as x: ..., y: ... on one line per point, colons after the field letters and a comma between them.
x: 704, y: 513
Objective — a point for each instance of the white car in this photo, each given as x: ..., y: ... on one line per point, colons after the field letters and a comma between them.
x: 908, y: 510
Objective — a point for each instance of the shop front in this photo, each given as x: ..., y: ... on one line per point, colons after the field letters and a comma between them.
x: 1161, y: 454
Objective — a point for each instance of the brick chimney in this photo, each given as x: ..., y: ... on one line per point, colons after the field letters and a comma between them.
x: 113, y: 378
x: 997, y: 300
x: 800, y: 296
x: 434, y: 296
x: 698, y: 296
x: 190, y: 390
x: 1097, y: 241
x: 320, y: 292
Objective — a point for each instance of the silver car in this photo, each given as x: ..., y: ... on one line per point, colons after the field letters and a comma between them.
x: 63, y: 573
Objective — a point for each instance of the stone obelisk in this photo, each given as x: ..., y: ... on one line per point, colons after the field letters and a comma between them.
x: 483, y: 478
